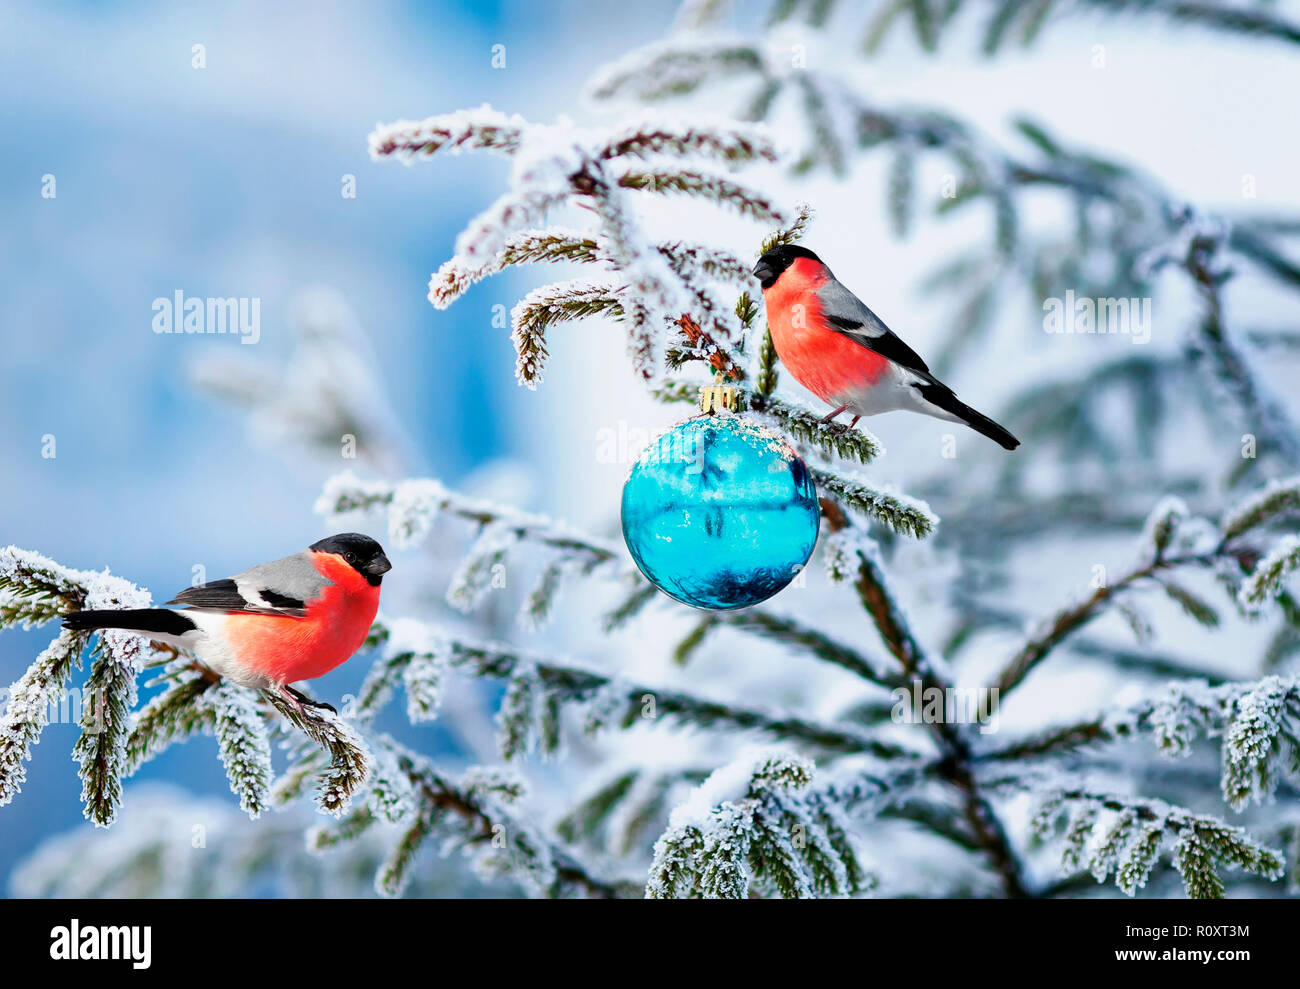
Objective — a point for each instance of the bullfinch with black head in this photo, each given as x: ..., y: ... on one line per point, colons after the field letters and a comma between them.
x: 274, y: 624
x: 840, y: 350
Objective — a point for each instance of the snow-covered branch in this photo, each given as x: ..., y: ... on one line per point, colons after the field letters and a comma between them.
x: 538, y: 687
x: 1171, y: 540
x: 478, y: 814
x: 1108, y: 834
x: 758, y: 820
x: 1259, y: 723
x: 640, y: 283
x: 898, y: 512
x: 783, y: 629
x: 34, y: 590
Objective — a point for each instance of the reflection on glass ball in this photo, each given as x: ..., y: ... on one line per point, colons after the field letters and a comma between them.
x: 720, y: 512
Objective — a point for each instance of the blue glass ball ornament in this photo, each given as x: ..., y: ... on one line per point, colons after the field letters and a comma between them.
x: 720, y: 512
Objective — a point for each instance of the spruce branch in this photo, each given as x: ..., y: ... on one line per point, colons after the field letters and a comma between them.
x: 27, y: 711
x: 172, y: 715
x: 101, y: 747
x: 243, y: 744
x: 1261, y: 412
x: 117, y: 659
x: 715, y: 188
x: 734, y: 144
x: 1266, y: 581
x: 621, y: 811
x: 780, y: 628
x: 792, y: 232
x: 704, y: 347
x: 767, y: 373
x: 625, y: 702
x: 1063, y: 623
x: 805, y: 426
x: 540, y: 603
x: 674, y: 68
x: 1276, y: 501
x: 411, y: 507
x: 1130, y: 837
x: 552, y: 246
x: 859, y: 558
x: 558, y: 166
x: 1156, y: 563
x: 1143, y: 661
x: 1008, y: 20
x: 935, y: 818
x: 852, y: 555
x: 35, y: 589
x: 1061, y: 740
x: 487, y: 825
x: 689, y: 259
x: 541, y: 308
x: 632, y: 605
x: 349, y: 758
x: 898, y: 512
x: 484, y: 129
x: 759, y: 822
x: 1231, y: 18
x: 1259, y: 723
x: 629, y: 699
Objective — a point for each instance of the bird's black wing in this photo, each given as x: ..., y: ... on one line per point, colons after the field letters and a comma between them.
x: 217, y: 595
x: 849, y: 315
x: 226, y: 595
x: 887, y: 344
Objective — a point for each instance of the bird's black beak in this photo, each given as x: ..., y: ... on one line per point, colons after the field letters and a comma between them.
x: 378, y: 566
x: 764, y: 273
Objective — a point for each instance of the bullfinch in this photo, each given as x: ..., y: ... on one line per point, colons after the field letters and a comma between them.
x: 274, y: 624
x: 840, y: 350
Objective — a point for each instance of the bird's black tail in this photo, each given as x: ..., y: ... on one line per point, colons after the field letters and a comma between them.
x: 142, y: 620
x: 943, y: 397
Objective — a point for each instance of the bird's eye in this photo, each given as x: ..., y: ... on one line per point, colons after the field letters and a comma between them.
x: 350, y: 557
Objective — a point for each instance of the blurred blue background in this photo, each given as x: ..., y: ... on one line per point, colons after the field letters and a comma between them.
x: 226, y: 181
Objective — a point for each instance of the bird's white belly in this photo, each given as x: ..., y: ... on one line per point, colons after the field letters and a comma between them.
x: 893, y: 391
x: 213, y: 650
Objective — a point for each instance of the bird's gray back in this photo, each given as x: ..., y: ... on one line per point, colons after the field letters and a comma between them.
x: 838, y: 301
x: 293, y: 576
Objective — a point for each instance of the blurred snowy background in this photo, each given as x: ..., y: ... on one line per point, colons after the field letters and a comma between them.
x: 225, y: 181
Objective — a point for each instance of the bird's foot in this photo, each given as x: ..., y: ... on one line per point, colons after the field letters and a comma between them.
x: 298, y: 699
x: 293, y: 701
x: 831, y: 415
x: 841, y: 428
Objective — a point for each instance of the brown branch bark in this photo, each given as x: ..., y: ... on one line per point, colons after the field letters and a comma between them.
x: 957, y: 759
x: 1069, y: 619
x: 719, y: 360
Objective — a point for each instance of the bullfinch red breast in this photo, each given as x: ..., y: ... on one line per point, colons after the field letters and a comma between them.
x: 274, y: 624
x: 844, y: 354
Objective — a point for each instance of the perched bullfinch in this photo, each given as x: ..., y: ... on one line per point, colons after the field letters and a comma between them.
x: 839, y: 349
x: 274, y: 624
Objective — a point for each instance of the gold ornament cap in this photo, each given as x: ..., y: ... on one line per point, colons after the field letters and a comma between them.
x: 718, y: 397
